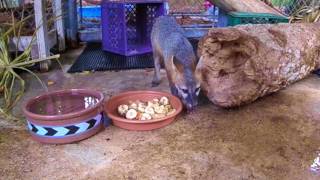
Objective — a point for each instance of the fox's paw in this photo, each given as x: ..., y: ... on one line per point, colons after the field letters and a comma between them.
x: 155, y: 83
x: 174, y: 91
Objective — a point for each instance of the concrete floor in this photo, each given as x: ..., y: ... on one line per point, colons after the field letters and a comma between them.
x: 277, y: 137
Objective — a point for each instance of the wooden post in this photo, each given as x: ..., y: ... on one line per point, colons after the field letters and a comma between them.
x: 59, y: 24
x: 73, y: 23
x: 42, y: 32
x: 222, y: 18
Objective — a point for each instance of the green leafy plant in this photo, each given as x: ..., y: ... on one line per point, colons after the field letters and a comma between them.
x: 282, y: 2
x: 12, y: 84
x: 306, y: 14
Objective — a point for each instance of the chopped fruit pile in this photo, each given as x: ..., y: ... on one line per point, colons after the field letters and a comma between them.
x: 143, y: 111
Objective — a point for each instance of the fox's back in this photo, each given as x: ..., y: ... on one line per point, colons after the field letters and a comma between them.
x: 168, y: 37
x: 165, y: 26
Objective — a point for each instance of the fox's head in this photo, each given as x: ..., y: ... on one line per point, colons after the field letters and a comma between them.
x: 186, y: 79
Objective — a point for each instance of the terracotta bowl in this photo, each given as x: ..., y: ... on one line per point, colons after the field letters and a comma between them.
x: 124, y: 98
x: 64, y: 116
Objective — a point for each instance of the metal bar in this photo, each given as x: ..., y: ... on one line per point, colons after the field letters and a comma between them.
x: 188, y: 14
x: 81, y: 11
x: 198, y: 26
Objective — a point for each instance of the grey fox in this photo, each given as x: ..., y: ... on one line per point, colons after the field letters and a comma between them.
x: 172, y: 49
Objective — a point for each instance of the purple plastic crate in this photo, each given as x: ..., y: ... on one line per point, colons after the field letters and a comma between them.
x: 126, y: 25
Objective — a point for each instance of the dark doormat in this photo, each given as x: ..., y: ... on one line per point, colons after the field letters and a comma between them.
x: 93, y: 58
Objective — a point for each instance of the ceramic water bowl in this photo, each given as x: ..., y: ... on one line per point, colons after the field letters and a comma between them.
x: 123, y: 98
x: 65, y: 116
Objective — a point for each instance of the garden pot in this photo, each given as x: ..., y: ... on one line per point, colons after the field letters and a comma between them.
x: 123, y: 98
x: 64, y: 116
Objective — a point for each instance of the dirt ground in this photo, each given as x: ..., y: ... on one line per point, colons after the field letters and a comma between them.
x: 277, y: 137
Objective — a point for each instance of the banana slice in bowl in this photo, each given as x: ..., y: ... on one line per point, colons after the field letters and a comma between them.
x: 131, y: 114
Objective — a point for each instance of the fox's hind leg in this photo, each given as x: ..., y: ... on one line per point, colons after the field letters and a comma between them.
x: 157, y: 67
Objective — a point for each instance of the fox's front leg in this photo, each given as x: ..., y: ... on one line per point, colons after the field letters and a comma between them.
x: 173, y: 87
x: 174, y: 90
x: 157, y: 67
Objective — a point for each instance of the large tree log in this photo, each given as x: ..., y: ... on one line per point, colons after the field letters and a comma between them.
x: 255, y: 6
x: 244, y: 63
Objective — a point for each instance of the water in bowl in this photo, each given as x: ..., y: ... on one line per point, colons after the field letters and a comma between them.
x: 63, y: 104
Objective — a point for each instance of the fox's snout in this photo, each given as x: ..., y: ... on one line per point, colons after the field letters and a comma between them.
x: 189, y: 97
x: 191, y: 106
x: 191, y: 102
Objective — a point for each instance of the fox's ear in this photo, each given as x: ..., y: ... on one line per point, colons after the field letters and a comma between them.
x: 176, y: 64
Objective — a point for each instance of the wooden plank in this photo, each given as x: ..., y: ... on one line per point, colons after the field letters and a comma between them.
x: 41, y: 24
x: 254, y: 6
x: 59, y: 24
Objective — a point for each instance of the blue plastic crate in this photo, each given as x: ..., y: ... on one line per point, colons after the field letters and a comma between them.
x: 126, y: 25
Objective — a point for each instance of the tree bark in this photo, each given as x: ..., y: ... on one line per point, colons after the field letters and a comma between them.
x: 255, y: 6
x: 243, y: 63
